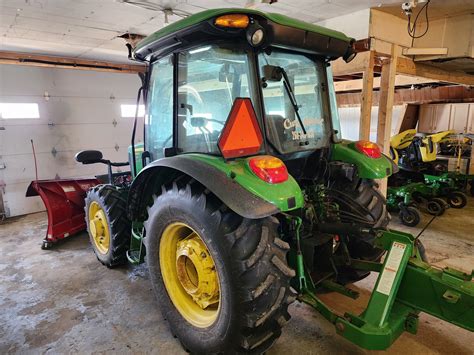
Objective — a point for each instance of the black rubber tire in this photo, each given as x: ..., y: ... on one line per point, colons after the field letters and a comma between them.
x: 251, y: 263
x: 457, y: 199
x: 409, y: 216
x: 114, y: 203
x: 435, y: 207
x: 471, y: 189
x: 365, y: 195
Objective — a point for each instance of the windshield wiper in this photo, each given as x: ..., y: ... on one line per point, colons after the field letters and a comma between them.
x: 291, y: 95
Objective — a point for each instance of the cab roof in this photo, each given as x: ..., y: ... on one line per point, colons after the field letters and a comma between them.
x: 204, y: 16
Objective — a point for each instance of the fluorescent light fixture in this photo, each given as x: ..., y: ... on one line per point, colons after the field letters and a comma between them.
x: 199, y: 50
x: 128, y: 111
x: 19, y: 110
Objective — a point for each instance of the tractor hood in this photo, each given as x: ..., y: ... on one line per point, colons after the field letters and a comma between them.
x: 280, y: 31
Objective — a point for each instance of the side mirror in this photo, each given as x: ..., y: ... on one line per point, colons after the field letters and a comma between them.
x: 89, y: 157
x: 272, y: 73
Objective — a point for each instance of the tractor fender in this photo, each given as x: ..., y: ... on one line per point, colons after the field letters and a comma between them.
x: 162, y: 171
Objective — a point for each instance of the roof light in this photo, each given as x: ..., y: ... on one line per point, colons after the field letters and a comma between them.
x: 241, y: 135
x: 369, y: 149
x: 255, y: 35
x: 232, y: 21
x: 269, y: 169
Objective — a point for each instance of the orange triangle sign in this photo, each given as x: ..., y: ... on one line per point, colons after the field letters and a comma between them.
x: 241, y: 135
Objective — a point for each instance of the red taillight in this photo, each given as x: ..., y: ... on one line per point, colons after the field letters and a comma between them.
x: 370, y: 149
x: 269, y: 169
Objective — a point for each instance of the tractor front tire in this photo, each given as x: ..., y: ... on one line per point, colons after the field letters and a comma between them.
x: 244, y: 260
x: 107, y: 224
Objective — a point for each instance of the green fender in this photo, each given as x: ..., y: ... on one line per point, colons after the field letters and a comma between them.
x: 367, y: 168
x: 232, y: 182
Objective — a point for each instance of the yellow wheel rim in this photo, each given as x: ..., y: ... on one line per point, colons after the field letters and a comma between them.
x: 99, y: 228
x: 189, y: 275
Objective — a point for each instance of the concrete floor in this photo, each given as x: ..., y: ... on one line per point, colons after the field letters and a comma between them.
x: 64, y: 301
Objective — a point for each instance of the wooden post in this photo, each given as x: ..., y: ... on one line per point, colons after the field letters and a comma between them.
x: 387, y: 93
x: 366, y: 98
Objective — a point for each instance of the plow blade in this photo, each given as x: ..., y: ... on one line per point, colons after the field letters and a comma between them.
x: 64, y: 202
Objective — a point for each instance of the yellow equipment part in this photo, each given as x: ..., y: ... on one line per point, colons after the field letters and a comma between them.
x: 394, y: 155
x: 429, y: 148
x: 438, y: 137
x: 403, y: 139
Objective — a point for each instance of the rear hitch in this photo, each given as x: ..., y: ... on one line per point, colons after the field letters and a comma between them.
x: 406, y: 286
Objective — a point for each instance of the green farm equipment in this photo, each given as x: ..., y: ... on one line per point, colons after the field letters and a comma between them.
x: 407, y: 200
x: 416, y: 158
x: 245, y: 198
x: 446, y: 186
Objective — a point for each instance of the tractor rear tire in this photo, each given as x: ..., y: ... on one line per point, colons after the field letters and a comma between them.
x: 365, y: 197
x: 248, y: 257
x: 113, y: 203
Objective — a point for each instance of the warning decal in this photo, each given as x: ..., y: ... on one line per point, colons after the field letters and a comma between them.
x: 392, y: 264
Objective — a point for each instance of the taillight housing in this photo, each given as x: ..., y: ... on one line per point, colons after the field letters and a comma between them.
x: 369, y: 149
x: 269, y: 169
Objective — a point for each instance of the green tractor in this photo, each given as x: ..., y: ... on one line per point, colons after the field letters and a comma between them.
x: 245, y: 198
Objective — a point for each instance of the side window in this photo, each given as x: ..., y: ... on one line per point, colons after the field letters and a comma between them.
x: 209, y: 80
x: 159, y: 117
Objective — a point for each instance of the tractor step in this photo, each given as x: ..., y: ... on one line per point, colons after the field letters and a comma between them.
x: 136, y: 253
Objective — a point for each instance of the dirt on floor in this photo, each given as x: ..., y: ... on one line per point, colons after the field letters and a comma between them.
x: 64, y: 301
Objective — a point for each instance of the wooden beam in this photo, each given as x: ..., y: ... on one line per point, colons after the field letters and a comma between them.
x: 409, y: 118
x: 37, y: 60
x: 357, y: 65
x: 409, y: 67
x: 441, y: 94
x: 366, y: 99
x: 425, y: 51
x: 400, y: 80
x: 387, y: 93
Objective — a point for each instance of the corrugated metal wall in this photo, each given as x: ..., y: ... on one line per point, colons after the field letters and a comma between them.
x: 78, y: 110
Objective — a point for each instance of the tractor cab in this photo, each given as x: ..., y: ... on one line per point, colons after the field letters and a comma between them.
x: 282, y: 67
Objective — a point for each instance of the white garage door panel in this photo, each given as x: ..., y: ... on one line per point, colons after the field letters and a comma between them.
x: 81, y: 117
x: 67, y: 110
x: 21, y: 168
x: 17, y: 139
x: 65, y: 82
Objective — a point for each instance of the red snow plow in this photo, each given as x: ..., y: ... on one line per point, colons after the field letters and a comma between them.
x: 64, y: 202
